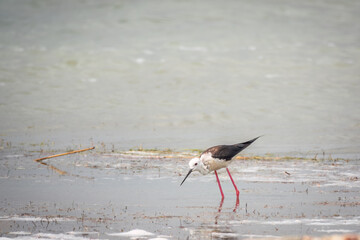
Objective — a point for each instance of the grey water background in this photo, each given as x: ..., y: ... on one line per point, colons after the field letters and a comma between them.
x: 181, y: 74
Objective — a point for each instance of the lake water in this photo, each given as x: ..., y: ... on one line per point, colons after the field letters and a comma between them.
x: 135, y: 194
x: 181, y: 74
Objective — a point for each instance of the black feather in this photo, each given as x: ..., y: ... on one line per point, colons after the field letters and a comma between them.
x: 227, y: 152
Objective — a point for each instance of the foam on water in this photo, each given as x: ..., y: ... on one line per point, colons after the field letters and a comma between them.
x: 54, y: 236
x: 82, y: 233
x: 224, y: 235
x: 20, y: 233
x: 310, y: 222
x: 35, y: 219
x: 132, y: 233
x: 251, y: 236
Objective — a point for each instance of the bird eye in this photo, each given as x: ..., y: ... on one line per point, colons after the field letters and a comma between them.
x: 195, y: 164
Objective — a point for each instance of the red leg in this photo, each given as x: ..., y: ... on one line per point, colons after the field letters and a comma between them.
x: 236, y: 189
x: 221, y: 191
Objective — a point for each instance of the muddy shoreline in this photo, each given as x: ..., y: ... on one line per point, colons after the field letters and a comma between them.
x: 107, y: 195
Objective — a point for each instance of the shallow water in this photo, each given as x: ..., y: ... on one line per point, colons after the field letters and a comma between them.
x: 114, y: 195
x: 181, y: 74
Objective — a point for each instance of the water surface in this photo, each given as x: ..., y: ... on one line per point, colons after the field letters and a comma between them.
x: 181, y: 74
x: 106, y: 196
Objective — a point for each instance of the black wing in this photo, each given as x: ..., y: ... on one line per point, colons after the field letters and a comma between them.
x: 227, y: 152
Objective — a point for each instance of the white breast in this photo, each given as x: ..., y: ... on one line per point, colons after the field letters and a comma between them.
x: 212, y: 164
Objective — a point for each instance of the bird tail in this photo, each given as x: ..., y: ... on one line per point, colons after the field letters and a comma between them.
x: 244, y: 145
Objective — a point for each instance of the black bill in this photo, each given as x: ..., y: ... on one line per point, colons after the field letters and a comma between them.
x: 186, y: 176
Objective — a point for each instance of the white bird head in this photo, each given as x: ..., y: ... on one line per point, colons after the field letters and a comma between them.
x: 195, y: 164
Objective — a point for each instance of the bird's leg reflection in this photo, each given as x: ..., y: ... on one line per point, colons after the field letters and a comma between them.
x: 219, y: 210
x: 220, y: 206
x: 237, y: 203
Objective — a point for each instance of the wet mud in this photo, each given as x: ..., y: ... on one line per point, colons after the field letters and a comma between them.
x: 136, y: 194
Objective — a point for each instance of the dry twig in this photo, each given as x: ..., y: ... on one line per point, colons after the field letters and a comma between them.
x: 62, y: 154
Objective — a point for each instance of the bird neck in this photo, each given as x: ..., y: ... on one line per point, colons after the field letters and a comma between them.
x: 203, y: 169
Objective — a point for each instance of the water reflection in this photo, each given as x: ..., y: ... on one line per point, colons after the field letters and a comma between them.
x: 221, y: 206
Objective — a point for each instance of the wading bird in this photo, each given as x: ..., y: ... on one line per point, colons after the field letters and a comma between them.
x: 215, y: 158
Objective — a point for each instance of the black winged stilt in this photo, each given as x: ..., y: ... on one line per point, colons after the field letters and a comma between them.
x: 215, y: 158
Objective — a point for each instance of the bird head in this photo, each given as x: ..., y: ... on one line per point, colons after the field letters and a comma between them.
x: 195, y: 165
